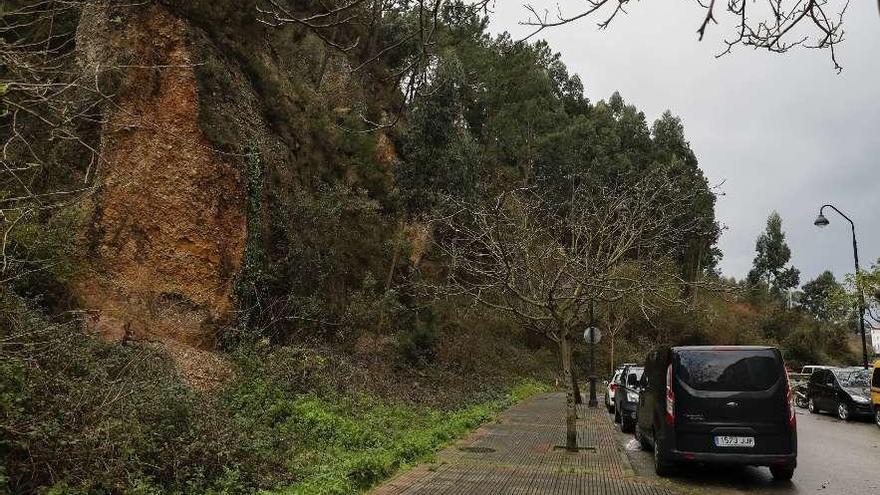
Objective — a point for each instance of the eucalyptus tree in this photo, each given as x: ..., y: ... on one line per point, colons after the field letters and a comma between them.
x: 772, y: 256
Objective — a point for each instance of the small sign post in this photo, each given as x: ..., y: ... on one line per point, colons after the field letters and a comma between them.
x: 592, y: 335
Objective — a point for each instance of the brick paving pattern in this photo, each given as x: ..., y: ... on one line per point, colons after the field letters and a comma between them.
x: 518, y: 454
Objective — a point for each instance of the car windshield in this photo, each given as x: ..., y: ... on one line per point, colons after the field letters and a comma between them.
x: 729, y: 370
x: 852, y: 378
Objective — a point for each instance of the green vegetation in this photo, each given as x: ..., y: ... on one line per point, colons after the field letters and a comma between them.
x: 773, y: 253
x: 83, y: 416
x: 812, y: 326
x: 349, y: 447
x: 818, y: 297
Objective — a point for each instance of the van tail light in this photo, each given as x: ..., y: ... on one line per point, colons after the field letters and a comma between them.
x: 614, y: 387
x: 670, y: 398
x: 789, y: 402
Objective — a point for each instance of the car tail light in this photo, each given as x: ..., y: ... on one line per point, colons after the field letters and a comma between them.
x: 670, y: 398
x: 789, y: 402
x: 614, y: 387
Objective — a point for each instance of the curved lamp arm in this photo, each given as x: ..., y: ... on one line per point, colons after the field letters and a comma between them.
x: 848, y: 219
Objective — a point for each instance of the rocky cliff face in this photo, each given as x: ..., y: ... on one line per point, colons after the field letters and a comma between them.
x: 216, y: 133
x: 167, y: 228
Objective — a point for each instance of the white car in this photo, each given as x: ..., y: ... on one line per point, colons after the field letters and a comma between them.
x: 612, y: 385
x: 809, y: 369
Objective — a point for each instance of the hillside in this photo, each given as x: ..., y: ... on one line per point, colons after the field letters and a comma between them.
x: 226, y: 240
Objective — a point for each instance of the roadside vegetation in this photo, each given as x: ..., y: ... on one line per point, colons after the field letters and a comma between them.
x: 816, y: 324
x: 84, y: 416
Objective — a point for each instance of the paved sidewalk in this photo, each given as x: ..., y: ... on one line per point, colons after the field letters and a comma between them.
x: 516, y: 455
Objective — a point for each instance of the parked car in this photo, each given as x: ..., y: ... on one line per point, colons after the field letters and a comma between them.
x: 729, y: 404
x: 611, y: 387
x: 626, y: 399
x: 810, y: 368
x: 875, y: 391
x: 844, y: 391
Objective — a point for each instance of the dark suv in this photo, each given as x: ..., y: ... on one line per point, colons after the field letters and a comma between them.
x: 730, y: 404
x: 846, y: 391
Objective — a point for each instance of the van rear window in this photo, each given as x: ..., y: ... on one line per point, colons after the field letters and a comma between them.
x: 729, y: 370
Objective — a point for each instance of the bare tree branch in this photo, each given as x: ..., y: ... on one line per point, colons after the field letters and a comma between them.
x: 773, y: 25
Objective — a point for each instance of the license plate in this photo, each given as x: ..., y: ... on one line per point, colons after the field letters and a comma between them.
x: 725, y: 441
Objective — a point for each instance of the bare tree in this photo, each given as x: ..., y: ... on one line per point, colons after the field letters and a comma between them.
x: 546, y: 264
x: 615, y: 316
x: 772, y: 25
x: 46, y: 102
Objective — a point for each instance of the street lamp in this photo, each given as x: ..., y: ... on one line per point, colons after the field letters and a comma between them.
x: 822, y: 221
x: 592, y: 335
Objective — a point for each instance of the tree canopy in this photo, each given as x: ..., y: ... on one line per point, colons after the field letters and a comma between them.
x: 773, y: 254
x: 818, y: 296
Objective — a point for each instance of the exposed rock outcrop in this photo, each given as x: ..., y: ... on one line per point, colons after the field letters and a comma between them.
x: 167, y: 230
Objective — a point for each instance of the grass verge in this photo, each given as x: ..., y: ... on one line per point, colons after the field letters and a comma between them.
x: 350, y: 446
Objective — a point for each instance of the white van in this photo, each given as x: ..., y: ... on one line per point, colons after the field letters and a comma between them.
x: 809, y: 369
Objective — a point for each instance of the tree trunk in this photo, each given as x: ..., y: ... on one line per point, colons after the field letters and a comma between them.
x: 395, y: 257
x: 611, y: 338
x: 570, y: 407
x: 578, y: 398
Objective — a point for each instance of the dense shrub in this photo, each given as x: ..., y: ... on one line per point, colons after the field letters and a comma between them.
x: 81, y: 413
x: 83, y: 416
x: 736, y: 319
x: 40, y: 255
x: 420, y: 342
x: 810, y: 341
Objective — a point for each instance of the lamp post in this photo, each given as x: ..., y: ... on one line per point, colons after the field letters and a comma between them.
x: 592, y: 335
x: 822, y: 221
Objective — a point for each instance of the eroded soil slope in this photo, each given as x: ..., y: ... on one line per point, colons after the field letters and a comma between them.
x: 167, y: 230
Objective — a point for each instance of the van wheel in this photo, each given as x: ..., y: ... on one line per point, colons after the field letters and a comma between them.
x: 662, y: 466
x: 843, y: 411
x: 626, y: 425
x: 877, y: 415
x: 782, y: 473
x: 811, y: 406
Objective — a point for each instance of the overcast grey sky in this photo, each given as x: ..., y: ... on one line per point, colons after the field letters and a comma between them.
x: 781, y: 132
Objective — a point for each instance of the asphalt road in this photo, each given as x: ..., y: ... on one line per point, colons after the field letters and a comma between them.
x: 834, y: 458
